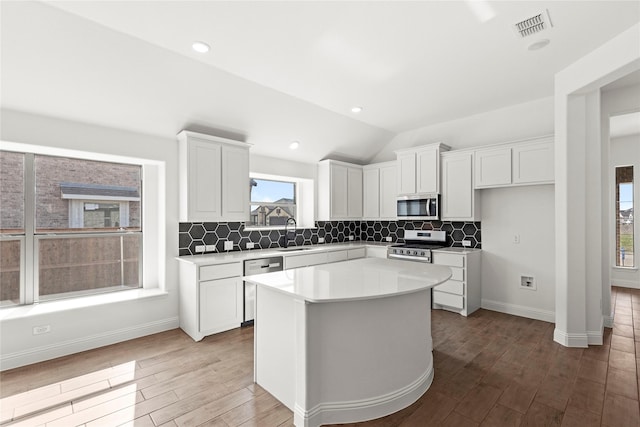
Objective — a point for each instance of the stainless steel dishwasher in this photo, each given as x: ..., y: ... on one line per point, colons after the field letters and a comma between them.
x: 256, y: 266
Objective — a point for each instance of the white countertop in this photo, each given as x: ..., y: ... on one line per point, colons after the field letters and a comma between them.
x: 457, y: 250
x: 359, y: 279
x: 238, y: 256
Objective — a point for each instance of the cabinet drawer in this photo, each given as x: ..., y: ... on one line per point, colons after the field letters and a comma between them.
x: 452, y: 287
x: 304, y: 260
x: 220, y: 271
x: 337, y: 256
x: 455, y: 301
x: 452, y: 260
x: 457, y: 274
x: 356, y: 253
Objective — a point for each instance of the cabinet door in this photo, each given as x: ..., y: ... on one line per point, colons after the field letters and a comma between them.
x: 204, y: 177
x: 457, y: 187
x: 388, y: 192
x: 354, y: 193
x: 427, y: 171
x: 235, y: 183
x: 406, y: 173
x: 339, y: 191
x: 533, y: 163
x: 493, y: 167
x: 371, y: 193
x: 220, y: 304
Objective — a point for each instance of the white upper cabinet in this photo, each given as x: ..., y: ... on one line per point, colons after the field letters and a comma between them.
x: 520, y: 163
x: 339, y: 190
x: 380, y: 191
x: 214, y: 178
x: 493, y: 167
x: 419, y: 169
x: 459, y: 199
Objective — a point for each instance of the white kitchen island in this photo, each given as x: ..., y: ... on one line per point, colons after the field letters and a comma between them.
x: 348, y: 341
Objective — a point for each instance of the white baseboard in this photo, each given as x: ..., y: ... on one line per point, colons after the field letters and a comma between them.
x: 519, y: 310
x: 39, y: 354
x: 608, y: 321
x: 570, y: 340
x: 633, y: 284
x: 363, y: 410
x: 596, y: 337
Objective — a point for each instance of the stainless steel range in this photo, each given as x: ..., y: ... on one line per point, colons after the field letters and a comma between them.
x: 418, y: 245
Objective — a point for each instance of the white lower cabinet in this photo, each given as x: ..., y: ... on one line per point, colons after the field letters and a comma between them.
x: 461, y: 293
x: 211, y: 298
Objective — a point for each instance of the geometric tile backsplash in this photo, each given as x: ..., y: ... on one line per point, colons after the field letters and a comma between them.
x: 216, y: 233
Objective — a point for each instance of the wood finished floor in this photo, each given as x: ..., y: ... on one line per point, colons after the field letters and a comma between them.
x: 491, y: 369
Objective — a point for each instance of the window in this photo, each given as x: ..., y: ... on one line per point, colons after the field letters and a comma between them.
x: 624, y: 217
x: 81, y: 222
x: 272, y: 202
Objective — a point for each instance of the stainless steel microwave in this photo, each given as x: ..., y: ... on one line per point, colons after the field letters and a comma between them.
x: 419, y: 207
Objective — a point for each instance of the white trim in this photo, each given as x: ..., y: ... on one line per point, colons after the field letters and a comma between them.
x: 596, y: 337
x: 364, y: 409
x: 570, y: 340
x: 39, y: 354
x: 519, y: 310
x: 633, y: 284
x: 608, y: 321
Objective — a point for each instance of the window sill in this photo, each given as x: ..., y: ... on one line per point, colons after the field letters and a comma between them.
x: 617, y: 267
x: 48, y: 307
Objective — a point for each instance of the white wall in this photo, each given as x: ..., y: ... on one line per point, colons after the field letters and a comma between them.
x: 521, y: 121
x: 528, y: 212
x: 625, y: 151
x: 77, y: 328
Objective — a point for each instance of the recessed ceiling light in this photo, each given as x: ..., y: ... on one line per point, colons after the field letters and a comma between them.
x: 356, y: 110
x: 294, y: 145
x: 200, y: 47
x: 539, y: 44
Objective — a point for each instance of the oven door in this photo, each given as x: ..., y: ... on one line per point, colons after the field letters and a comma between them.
x: 418, y: 207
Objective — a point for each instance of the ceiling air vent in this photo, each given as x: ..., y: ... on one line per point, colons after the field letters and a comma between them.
x: 534, y: 24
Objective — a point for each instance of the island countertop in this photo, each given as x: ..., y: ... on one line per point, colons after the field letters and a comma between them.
x: 358, y: 279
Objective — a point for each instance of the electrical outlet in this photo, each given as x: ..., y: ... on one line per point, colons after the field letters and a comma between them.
x: 211, y: 248
x: 228, y: 245
x: 250, y: 245
x: 320, y: 239
x: 200, y: 249
x: 528, y: 282
x: 39, y: 330
x: 466, y: 243
x: 388, y: 238
x: 350, y: 237
x: 516, y: 238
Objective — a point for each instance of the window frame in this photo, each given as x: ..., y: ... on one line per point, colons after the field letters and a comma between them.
x: 30, y: 238
x: 617, y: 219
x: 296, y: 197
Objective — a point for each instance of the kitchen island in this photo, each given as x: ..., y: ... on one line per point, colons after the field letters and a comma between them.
x: 348, y: 341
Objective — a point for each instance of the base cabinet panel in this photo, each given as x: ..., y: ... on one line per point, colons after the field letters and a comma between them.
x: 461, y: 293
x: 220, y: 304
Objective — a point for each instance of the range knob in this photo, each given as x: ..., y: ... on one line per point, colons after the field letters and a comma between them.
x: 421, y: 253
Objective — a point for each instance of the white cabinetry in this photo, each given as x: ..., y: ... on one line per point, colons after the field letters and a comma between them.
x: 211, y: 298
x: 379, y: 191
x: 459, y: 199
x: 461, y: 293
x: 339, y: 191
x: 419, y: 169
x: 520, y: 163
x: 305, y: 260
x: 214, y: 178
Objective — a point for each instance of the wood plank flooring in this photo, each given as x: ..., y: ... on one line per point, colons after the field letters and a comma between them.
x: 491, y: 369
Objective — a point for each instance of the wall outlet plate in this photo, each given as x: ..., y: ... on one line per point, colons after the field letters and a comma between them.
x: 388, y: 239
x: 200, y: 249
x: 528, y: 282
x: 320, y: 239
x: 466, y: 243
x: 350, y: 237
x: 250, y: 245
x: 228, y: 245
x: 210, y: 248
x: 39, y: 330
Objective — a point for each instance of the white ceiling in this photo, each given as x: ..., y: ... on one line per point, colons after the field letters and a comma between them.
x: 279, y: 71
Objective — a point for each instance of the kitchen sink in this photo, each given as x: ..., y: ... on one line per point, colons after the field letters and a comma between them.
x: 293, y: 249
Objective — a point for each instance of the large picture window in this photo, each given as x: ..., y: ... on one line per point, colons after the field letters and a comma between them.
x: 272, y: 202
x: 80, y: 222
x: 624, y: 217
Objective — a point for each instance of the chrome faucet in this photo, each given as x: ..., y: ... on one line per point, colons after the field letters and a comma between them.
x: 286, y: 230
